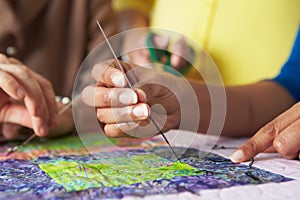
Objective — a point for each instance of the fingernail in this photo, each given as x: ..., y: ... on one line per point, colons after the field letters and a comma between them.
x: 237, y: 156
x: 118, y: 79
x: 43, y: 130
x: 140, y: 111
x: 128, y: 97
x: 20, y: 93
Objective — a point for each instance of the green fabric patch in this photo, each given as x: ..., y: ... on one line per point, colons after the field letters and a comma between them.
x: 115, y: 172
x: 65, y: 143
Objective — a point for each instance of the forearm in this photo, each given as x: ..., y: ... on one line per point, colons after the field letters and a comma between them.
x: 249, y: 107
x: 268, y: 99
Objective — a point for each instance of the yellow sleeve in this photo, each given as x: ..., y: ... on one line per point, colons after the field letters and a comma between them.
x: 143, y: 6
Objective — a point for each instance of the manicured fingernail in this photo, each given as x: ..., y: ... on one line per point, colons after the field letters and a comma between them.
x: 237, y: 156
x: 20, y: 93
x: 140, y: 111
x: 118, y: 79
x: 43, y: 130
x: 128, y: 97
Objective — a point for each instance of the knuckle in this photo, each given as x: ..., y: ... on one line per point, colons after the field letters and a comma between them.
x: 2, y: 57
x: 105, y: 98
x: 8, y: 81
x: 102, y: 98
x: 112, y: 131
x: 109, y: 98
x: 252, y: 147
x: 271, y: 129
x: 47, y: 84
x: 48, y: 88
x: 14, y: 60
x: 108, y: 132
x: 283, y: 149
x: 39, y: 93
x: 101, y: 115
x: 287, y: 154
x: 23, y: 70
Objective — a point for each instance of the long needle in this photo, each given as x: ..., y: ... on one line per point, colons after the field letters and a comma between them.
x: 130, y: 85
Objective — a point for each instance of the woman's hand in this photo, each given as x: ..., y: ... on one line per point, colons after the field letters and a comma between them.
x: 282, y: 134
x: 26, y: 99
x: 124, y: 111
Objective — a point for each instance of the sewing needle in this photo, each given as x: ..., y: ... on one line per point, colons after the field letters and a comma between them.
x: 131, y: 87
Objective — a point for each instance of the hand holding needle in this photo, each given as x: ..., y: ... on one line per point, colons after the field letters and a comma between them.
x: 130, y: 86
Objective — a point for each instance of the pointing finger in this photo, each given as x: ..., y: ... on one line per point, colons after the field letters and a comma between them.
x: 263, y: 139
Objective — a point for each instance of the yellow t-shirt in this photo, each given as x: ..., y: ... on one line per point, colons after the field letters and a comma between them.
x: 248, y: 40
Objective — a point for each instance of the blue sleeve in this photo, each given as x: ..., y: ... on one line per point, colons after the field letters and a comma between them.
x: 289, y: 76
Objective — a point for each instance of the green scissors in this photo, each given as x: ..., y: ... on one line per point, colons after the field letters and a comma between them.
x: 163, y: 56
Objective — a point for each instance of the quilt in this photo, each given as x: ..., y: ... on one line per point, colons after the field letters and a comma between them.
x: 63, y: 168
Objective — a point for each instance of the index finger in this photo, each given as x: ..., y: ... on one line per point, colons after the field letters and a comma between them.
x: 106, y: 74
x: 263, y: 139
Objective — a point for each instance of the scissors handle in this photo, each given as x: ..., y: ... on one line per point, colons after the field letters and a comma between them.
x: 163, y: 56
x: 157, y: 55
